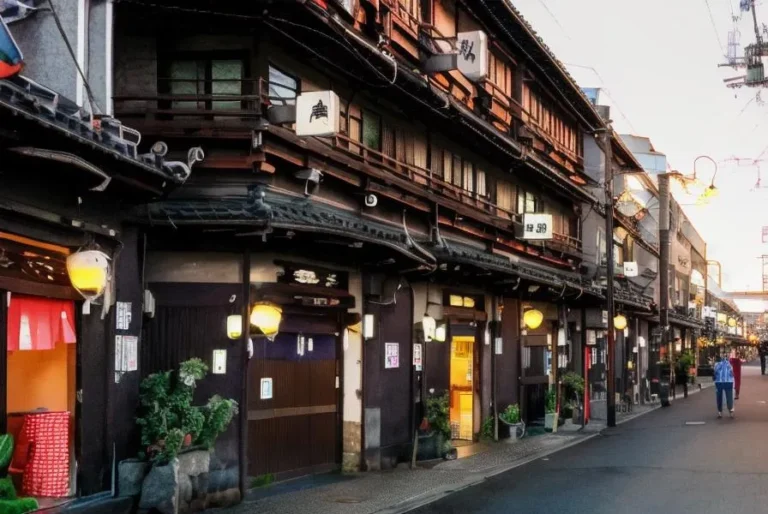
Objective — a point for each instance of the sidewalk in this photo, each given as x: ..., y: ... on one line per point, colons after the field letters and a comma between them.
x: 401, y: 490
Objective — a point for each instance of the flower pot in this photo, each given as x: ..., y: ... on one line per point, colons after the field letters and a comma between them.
x: 511, y: 430
x: 550, y: 421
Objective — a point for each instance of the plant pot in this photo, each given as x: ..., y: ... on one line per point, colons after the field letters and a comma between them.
x: 509, y: 429
x: 130, y: 476
x: 431, y: 446
x: 550, y: 421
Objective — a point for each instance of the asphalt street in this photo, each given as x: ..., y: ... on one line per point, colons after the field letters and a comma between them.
x: 676, y: 459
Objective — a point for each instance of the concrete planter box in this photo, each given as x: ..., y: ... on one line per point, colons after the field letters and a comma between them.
x: 550, y: 421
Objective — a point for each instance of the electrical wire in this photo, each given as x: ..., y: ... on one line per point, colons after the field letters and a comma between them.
x: 552, y: 15
x: 714, y: 27
x: 91, y: 101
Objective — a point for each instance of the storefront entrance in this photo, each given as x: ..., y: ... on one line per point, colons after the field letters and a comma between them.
x: 461, y: 387
x: 39, y: 376
x: 293, y: 411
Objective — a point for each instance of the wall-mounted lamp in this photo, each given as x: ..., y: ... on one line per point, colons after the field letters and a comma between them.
x: 267, y: 317
x: 532, y: 318
x: 89, y: 273
x: 234, y: 326
x: 429, y: 325
x: 441, y: 333
x: 368, y: 323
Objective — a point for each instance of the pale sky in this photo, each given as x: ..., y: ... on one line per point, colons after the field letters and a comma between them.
x: 658, y: 60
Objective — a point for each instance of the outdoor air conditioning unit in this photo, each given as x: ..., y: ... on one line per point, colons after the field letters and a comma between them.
x: 604, y: 111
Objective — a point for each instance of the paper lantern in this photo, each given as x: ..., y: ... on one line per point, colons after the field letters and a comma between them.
x: 731, y: 322
x: 267, y: 317
x: 440, y: 333
x: 89, y: 273
x: 368, y: 325
x: 620, y: 322
x: 429, y: 325
x: 532, y: 318
x: 234, y: 326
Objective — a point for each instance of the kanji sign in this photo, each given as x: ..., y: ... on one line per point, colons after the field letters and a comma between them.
x: 537, y: 226
x: 317, y: 114
x: 630, y: 269
x: 472, y: 58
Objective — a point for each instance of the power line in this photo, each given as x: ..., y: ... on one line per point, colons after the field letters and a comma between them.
x: 714, y: 27
x: 607, y: 92
x: 552, y: 15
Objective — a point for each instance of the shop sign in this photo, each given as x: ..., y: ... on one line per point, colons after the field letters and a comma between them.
x: 537, y: 226
x: 317, y: 114
x: 266, y: 389
x: 472, y: 58
x: 630, y: 269
x: 391, y: 355
x: 417, y: 356
x: 219, y: 362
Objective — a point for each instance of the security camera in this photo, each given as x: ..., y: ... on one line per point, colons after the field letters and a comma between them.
x: 371, y: 200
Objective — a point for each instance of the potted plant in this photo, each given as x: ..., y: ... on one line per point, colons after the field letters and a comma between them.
x: 9, y: 502
x: 511, y: 425
x: 550, y: 409
x: 574, y: 392
x: 435, y: 438
x: 178, y: 437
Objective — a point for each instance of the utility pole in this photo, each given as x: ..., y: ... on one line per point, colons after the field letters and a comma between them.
x: 609, y: 273
x: 664, y: 265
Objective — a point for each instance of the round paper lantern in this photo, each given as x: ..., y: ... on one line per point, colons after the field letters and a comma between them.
x: 620, y: 322
x: 234, y: 326
x: 89, y: 273
x: 532, y: 318
x: 267, y: 317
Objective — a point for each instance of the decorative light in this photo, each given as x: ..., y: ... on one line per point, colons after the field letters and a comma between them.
x: 620, y: 322
x: 234, y: 326
x: 440, y: 333
x: 731, y: 322
x: 89, y: 273
x: 429, y: 325
x: 532, y: 318
x: 267, y: 317
x: 368, y: 322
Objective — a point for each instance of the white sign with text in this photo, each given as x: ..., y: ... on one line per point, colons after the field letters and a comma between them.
x: 537, y: 226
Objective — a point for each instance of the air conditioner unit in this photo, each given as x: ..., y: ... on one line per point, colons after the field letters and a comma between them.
x: 604, y: 111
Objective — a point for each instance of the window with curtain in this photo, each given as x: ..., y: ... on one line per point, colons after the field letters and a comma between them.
x: 371, y: 130
x: 468, y: 182
x: 480, y: 185
x: 505, y: 195
x: 527, y: 202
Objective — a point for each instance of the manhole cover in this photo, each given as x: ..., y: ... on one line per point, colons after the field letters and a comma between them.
x: 348, y: 500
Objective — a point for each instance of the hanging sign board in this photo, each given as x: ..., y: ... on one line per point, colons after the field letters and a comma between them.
x: 317, y: 114
x: 417, y: 359
x: 630, y: 269
x: 537, y: 226
x: 391, y: 355
x: 472, y: 54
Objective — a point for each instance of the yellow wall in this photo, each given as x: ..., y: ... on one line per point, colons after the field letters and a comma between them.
x: 42, y: 378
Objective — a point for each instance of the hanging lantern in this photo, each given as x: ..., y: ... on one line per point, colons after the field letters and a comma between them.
x: 429, y: 325
x: 267, y: 317
x: 234, y: 326
x: 620, y: 322
x: 89, y: 273
x: 532, y: 318
x: 441, y: 333
x: 731, y: 322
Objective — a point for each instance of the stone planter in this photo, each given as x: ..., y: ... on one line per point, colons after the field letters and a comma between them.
x: 510, y: 430
x: 160, y: 489
x: 176, y: 488
x: 550, y: 421
x: 130, y: 477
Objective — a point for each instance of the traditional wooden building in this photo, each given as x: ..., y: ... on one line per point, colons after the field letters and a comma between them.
x: 452, y: 123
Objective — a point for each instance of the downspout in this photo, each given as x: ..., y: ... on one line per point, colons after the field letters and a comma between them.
x: 244, y: 343
x: 494, y: 333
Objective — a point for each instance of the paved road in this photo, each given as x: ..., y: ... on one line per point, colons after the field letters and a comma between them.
x: 653, y: 464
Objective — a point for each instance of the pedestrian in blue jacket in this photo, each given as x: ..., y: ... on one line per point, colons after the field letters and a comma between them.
x: 723, y: 384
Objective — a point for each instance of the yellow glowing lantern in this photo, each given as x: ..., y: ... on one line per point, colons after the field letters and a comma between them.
x: 267, y: 317
x: 731, y: 322
x: 234, y: 326
x: 532, y: 318
x: 620, y: 322
x: 440, y: 333
x: 89, y: 273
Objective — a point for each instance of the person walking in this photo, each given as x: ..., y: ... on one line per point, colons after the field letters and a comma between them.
x: 736, y: 365
x: 763, y: 351
x: 723, y: 385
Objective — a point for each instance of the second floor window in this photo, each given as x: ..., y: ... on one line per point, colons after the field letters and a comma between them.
x: 505, y: 197
x: 283, y: 88
x: 203, y: 82
x: 527, y: 201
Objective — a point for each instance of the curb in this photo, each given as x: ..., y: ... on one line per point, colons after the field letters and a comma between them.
x: 432, y: 496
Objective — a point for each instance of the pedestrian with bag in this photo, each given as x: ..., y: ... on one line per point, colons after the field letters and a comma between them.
x: 763, y: 351
x: 723, y: 385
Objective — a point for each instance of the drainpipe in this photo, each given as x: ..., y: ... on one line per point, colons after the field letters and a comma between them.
x: 494, y: 333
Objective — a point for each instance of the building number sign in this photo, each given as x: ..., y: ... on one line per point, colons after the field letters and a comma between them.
x: 537, y: 226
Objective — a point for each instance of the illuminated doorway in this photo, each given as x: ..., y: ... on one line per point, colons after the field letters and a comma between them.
x: 462, y: 390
